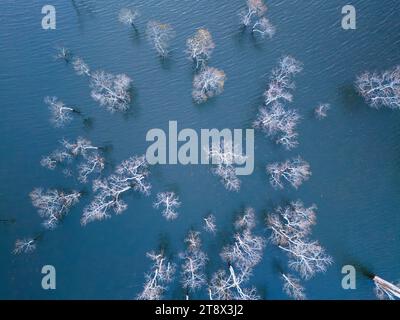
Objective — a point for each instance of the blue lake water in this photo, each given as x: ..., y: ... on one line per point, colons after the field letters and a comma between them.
x: 354, y: 154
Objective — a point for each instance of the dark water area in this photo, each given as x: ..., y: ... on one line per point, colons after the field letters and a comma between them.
x: 354, y: 154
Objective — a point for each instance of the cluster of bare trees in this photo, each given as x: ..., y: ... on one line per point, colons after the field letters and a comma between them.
x: 92, y: 161
x: 208, y: 82
x: 130, y: 175
x: 380, y: 89
x: 274, y: 119
x: 241, y: 257
x: 52, y: 205
x: 253, y: 17
x: 290, y: 229
x: 225, y: 156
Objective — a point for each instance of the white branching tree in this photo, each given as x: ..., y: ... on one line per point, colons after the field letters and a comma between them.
x: 290, y: 228
x: 207, y: 84
x: 255, y: 9
x: 264, y: 28
x: 385, y: 290
x: 53, y: 205
x: 111, y: 91
x: 194, y: 261
x: 63, y: 54
x: 281, y: 80
x: 225, y: 156
x: 61, y: 114
x: 26, y: 245
x: 160, y: 35
x: 279, y: 123
x: 321, y: 111
x: 241, y: 257
x: 169, y: 201
x: 156, y: 280
x: 210, y: 224
x: 294, y: 171
x: 92, y: 162
x: 200, y: 47
x: 81, y: 68
x: 128, y: 16
x: 380, y: 89
x: 293, y: 288
x: 131, y: 174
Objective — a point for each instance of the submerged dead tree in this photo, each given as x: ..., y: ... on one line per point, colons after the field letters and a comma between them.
x: 194, y: 260
x: 83, y: 149
x: 61, y: 114
x: 130, y: 175
x: 170, y: 202
x: 226, y: 156
x: 290, y: 228
x: 207, y: 84
x: 156, y: 280
x: 279, y: 123
x: 380, y: 89
x: 294, y: 171
x: 292, y: 287
x: 26, y: 245
x: 53, y: 205
x: 210, y: 224
x: 200, y: 47
x: 111, y: 91
x: 160, y: 35
x: 253, y: 16
x: 386, y: 290
x: 128, y: 16
x: 241, y: 257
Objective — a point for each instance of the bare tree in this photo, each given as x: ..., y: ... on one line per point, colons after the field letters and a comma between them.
x: 92, y: 161
x: 63, y: 54
x: 53, y: 205
x: 292, y: 287
x: 225, y: 156
x: 294, y: 171
x: 207, y: 84
x: 210, y: 224
x: 385, y: 290
x: 380, y: 89
x: 290, y: 228
x: 241, y: 256
x: 200, y: 47
x: 321, y: 111
x: 160, y: 35
x: 111, y: 91
x: 281, y: 80
x: 26, y: 245
x: 60, y: 113
x: 160, y: 274
x: 54, y: 159
x: 128, y: 16
x: 230, y: 286
x: 169, y: 201
x: 131, y: 174
x: 81, y: 147
x: 192, y: 274
x: 264, y: 27
x: 255, y: 9
x: 80, y: 67
x: 92, y: 164
x: 277, y: 122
